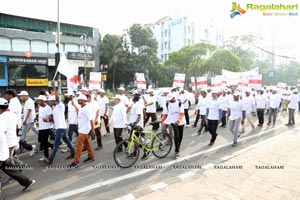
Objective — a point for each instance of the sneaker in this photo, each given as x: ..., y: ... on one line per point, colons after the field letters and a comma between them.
x: 252, y: 127
x: 89, y: 160
x: 65, y: 150
x: 41, y: 159
x: 288, y: 124
x: 234, y: 144
x: 145, y: 156
x: 242, y: 131
x: 107, y: 134
x: 268, y: 124
x: 194, y: 126
x: 132, y: 155
x: 187, y: 126
x: 199, y: 132
x: 73, y: 166
x: 27, y: 188
x: 119, y: 150
x: 211, y: 143
x: 98, y: 148
x: 32, y: 151
x: 177, y: 154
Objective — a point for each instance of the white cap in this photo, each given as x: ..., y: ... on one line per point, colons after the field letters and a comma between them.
x: 84, y: 88
x: 51, y: 98
x: 118, y: 97
x: 3, y: 102
x: 248, y: 90
x: 121, y: 88
x: 170, y: 97
x: 214, y: 91
x: 78, y: 93
x: 203, y: 90
x: 41, y: 97
x: 166, y: 91
x: 150, y: 90
x: 181, y: 89
x: 82, y: 97
x: 23, y: 93
x: 236, y: 93
x: 101, y: 90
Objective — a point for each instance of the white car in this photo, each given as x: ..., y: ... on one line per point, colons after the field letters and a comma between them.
x: 159, y: 92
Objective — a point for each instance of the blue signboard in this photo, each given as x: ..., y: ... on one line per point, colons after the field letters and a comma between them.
x: 3, y: 71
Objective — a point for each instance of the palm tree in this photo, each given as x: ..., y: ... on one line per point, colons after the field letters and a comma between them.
x: 112, y: 49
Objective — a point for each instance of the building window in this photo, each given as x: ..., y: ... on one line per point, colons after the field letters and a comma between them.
x: 169, y: 46
x: 5, y: 44
x: 162, y: 34
x: 161, y: 57
x: 2, y: 74
x: 88, y: 49
x: 166, y: 33
x: 169, y: 32
x: 39, y: 47
x: 162, y: 46
x: 20, y: 45
x: 188, y: 30
x: 26, y: 71
x: 206, y: 34
x: 71, y: 48
x: 166, y: 45
x: 188, y: 42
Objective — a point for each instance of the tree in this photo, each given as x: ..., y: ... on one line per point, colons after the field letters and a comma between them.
x: 222, y: 59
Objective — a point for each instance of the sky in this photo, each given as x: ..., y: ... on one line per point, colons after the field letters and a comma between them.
x: 114, y: 16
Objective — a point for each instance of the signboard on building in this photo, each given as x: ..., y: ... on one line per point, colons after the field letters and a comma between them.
x: 79, y: 56
x: 36, y: 82
x: 27, y: 61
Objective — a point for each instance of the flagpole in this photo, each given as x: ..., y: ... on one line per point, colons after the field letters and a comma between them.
x: 57, y: 55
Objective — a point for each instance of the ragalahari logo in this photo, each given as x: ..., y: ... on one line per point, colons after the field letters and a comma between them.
x: 236, y: 10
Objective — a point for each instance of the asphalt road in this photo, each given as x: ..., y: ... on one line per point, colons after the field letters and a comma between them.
x: 102, y: 179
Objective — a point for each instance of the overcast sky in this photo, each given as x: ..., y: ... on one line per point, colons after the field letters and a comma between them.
x: 113, y: 16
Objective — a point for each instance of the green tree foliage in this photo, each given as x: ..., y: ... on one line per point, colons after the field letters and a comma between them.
x: 222, y: 59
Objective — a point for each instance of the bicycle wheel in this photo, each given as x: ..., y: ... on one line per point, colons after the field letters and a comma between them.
x: 161, y: 145
x: 123, y: 153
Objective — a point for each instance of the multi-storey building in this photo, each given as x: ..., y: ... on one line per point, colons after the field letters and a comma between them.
x: 174, y: 33
x: 28, y: 47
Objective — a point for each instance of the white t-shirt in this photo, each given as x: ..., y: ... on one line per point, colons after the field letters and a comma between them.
x: 151, y: 108
x: 224, y: 101
x: 29, y: 105
x: 173, y: 110
x: 59, y: 116
x: 249, y: 104
x: 137, y: 109
x: 183, y: 98
x: 84, y: 118
x: 103, y: 101
x: 274, y: 100
x: 94, y: 107
x: 236, y: 108
x: 118, y: 117
x: 72, y: 114
x: 261, y: 101
x: 202, y: 105
x: 294, y: 98
x: 214, y: 108
x: 4, y: 151
x: 10, y: 119
x: 45, y: 112
x: 124, y: 99
x: 16, y: 107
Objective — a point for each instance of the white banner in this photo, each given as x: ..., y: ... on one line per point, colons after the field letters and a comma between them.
x: 298, y: 82
x: 216, y: 83
x: 193, y: 83
x: 255, y: 81
x: 179, y: 80
x: 140, y: 81
x: 232, y: 78
x: 95, y: 80
x: 281, y: 86
x: 243, y: 84
x: 201, y: 82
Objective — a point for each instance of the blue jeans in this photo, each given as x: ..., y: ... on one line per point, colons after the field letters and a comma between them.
x: 61, y: 133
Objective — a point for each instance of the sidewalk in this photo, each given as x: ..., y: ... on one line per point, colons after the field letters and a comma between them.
x: 267, y: 170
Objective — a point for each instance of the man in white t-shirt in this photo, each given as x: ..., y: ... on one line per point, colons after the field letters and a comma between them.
x: 150, y: 104
x: 29, y: 115
x: 60, y: 125
x: 14, y: 106
x: 85, y: 126
x: 45, y: 125
x: 7, y: 166
x: 292, y: 106
x: 72, y: 117
x: 185, y: 103
x: 104, y: 109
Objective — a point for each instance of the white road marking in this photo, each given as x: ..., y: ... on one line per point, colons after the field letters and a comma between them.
x: 158, y: 186
x: 226, y: 158
x: 186, y: 175
x: 126, y: 197
x: 209, y: 165
x: 142, y: 172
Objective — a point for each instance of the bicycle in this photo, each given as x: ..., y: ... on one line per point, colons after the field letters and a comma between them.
x: 159, y: 144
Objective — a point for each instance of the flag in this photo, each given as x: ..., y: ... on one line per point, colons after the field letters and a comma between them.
x: 81, y: 80
x: 179, y: 80
x: 193, y: 83
x: 73, y: 81
x: 140, y: 81
x: 95, y: 80
x: 64, y: 67
x: 201, y: 82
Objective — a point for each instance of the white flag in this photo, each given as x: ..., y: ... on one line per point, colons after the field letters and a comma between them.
x: 95, y: 80
x: 193, y: 83
x: 179, y: 80
x: 73, y: 81
x: 201, y: 82
x: 140, y: 81
x: 64, y: 67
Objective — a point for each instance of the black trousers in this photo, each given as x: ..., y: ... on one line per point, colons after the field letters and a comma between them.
x: 223, y: 119
x: 10, y: 169
x: 197, y: 118
x: 72, y: 128
x: 178, y: 135
x: 147, y: 117
x: 203, y: 123
x: 105, y: 119
x: 187, y: 117
x: 44, y: 136
x: 118, y: 135
x: 212, y: 126
x: 260, y: 116
x: 98, y: 136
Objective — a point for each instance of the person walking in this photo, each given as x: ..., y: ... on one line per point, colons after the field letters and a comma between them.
x: 150, y: 104
x: 236, y: 115
x: 202, y: 107
x: 261, y: 104
x: 213, y: 115
x: 85, y: 126
x: 292, y: 106
x: 14, y: 106
x: 274, y: 102
x: 174, y: 115
x: 118, y: 119
x: 185, y: 103
x: 103, y: 101
x: 59, y: 121
x: 249, y: 106
x: 224, y: 101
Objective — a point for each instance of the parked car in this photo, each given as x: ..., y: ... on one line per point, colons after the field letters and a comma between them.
x: 159, y: 91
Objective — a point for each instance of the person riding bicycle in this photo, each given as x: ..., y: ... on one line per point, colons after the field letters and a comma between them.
x: 136, y: 119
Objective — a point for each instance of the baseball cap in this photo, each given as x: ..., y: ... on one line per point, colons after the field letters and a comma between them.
x: 150, y: 90
x: 236, y: 93
x: 82, y: 97
x: 170, y: 96
x: 84, y: 89
x: 41, y: 97
x: 121, y: 88
x: 101, y: 90
x: 3, y: 102
x: 52, y: 98
x: 214, y: 91
x: 23, y: 93
x: 248, y: 90
x: 118, y: 97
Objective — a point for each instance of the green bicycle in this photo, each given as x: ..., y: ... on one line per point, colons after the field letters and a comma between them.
x: 127, y: 151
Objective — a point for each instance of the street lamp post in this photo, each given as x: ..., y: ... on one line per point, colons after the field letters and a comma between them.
x: 85, y: 60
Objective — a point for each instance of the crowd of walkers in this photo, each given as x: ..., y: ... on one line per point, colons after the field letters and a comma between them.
x: 76, y: 120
